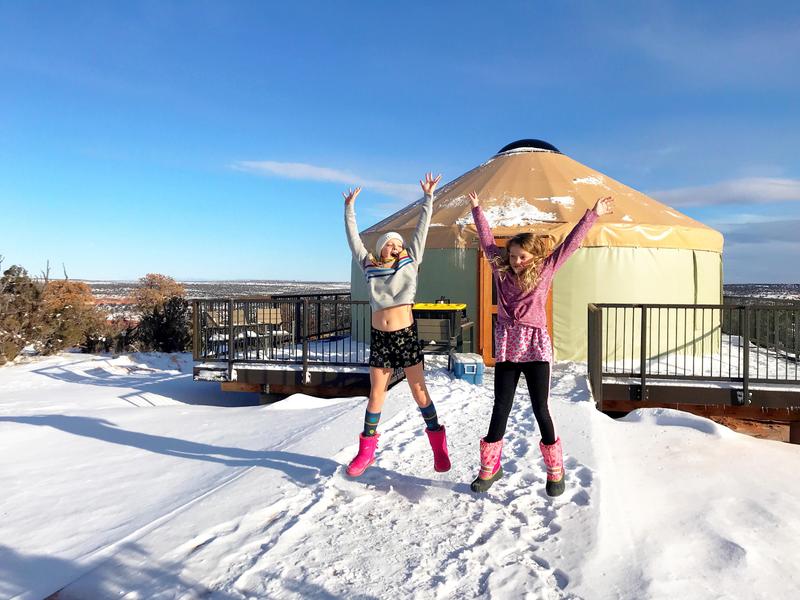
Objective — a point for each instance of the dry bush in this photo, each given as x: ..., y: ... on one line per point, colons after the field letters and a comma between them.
x: 70, y: 314
x: 154, y: 290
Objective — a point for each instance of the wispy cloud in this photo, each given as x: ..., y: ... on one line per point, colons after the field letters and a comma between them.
x: 748, y: 190
x: 765, y: 232
x: 767, y: 262
x: 303, y: 171
x: 731, y: 221
x: 764, y: 250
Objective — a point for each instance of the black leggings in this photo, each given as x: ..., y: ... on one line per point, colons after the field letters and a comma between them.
x: 506, y: 378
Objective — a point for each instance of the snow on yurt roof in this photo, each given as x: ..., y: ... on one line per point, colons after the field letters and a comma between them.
x: 530, y: 186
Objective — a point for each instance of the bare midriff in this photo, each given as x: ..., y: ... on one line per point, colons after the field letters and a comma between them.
x: 393, y: 318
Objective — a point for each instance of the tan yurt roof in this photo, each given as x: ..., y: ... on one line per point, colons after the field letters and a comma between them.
x: 530, y: 186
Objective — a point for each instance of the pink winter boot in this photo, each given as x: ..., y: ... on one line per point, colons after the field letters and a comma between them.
x: 441, y: 458
x: 491, y: 470
x: 554, y: 461
x: 365, y: 456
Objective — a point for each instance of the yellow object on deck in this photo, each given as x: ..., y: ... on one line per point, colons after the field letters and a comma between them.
x: 438, y: 306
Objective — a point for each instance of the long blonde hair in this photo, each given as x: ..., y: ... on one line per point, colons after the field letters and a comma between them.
x: 539, y: 245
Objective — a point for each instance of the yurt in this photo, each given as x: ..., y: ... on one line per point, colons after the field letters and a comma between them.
x: 645, y: 252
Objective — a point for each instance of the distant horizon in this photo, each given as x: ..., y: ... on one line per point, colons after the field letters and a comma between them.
x: 254, y: 280
x: 33, y: 274
x: 314, y: 281
x: 200, y: 280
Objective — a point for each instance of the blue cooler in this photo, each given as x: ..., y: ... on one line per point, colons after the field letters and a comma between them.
x: 468, y: 366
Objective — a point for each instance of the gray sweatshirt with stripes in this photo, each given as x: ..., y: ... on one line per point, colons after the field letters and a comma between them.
x: 395, y: 284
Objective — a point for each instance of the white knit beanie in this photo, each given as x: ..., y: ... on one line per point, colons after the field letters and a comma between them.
x: 389, y: 235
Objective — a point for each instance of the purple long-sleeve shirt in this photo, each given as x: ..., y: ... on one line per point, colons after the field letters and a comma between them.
x: 513, y: 305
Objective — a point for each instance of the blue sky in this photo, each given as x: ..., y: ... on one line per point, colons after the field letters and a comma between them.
x: 126, y: 129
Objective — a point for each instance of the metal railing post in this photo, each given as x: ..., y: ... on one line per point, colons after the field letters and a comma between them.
x: 745, y: 399
x: 231, y: 340
x: 298, y: 315
x: 305, y: 342
x: 195, y: 329
x: 643, y: 355
x: 594, y: 353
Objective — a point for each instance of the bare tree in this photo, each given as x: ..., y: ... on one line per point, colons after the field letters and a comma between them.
x: 46, y: 273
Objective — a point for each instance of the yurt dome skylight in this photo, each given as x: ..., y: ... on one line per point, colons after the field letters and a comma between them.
x: 529, y: 146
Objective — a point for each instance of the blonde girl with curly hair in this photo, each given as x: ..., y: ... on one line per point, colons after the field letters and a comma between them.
x: 522, y: 277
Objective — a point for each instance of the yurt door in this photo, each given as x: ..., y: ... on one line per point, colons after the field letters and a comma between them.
x: 487, y: 309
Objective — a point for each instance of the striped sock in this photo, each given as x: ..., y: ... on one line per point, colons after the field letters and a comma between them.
x: 431, y: 419
x: 371, y: 423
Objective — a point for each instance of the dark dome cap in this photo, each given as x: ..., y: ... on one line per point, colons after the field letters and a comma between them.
x: 532, y: 144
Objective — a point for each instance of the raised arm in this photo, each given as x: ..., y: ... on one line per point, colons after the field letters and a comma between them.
x: 490, y: 249
x: 574, y: 238
x: 353, y: 238
x: 416, y: 247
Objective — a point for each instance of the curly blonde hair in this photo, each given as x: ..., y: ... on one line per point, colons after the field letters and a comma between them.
x: 539, y: 245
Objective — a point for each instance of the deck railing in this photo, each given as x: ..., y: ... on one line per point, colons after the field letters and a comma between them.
x: 308, y: 330
x: 746, y: 344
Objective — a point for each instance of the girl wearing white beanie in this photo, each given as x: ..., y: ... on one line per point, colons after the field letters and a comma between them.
x: 391, y: 274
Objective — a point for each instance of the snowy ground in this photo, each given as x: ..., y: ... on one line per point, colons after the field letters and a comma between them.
x: 123, y: 478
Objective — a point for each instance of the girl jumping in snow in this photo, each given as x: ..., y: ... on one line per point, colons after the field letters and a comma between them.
x: 522, y: 344
x: 391, y: 274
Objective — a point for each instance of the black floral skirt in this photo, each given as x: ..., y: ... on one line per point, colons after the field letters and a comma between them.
x: 395, y: 349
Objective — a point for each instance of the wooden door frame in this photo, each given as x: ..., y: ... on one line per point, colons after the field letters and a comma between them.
x: 486, y: 309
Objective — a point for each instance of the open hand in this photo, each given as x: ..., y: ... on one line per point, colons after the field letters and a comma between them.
x: 604, y: 206
x: 473, y: 197
x: 351, y: 195
x: 430, y: 183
